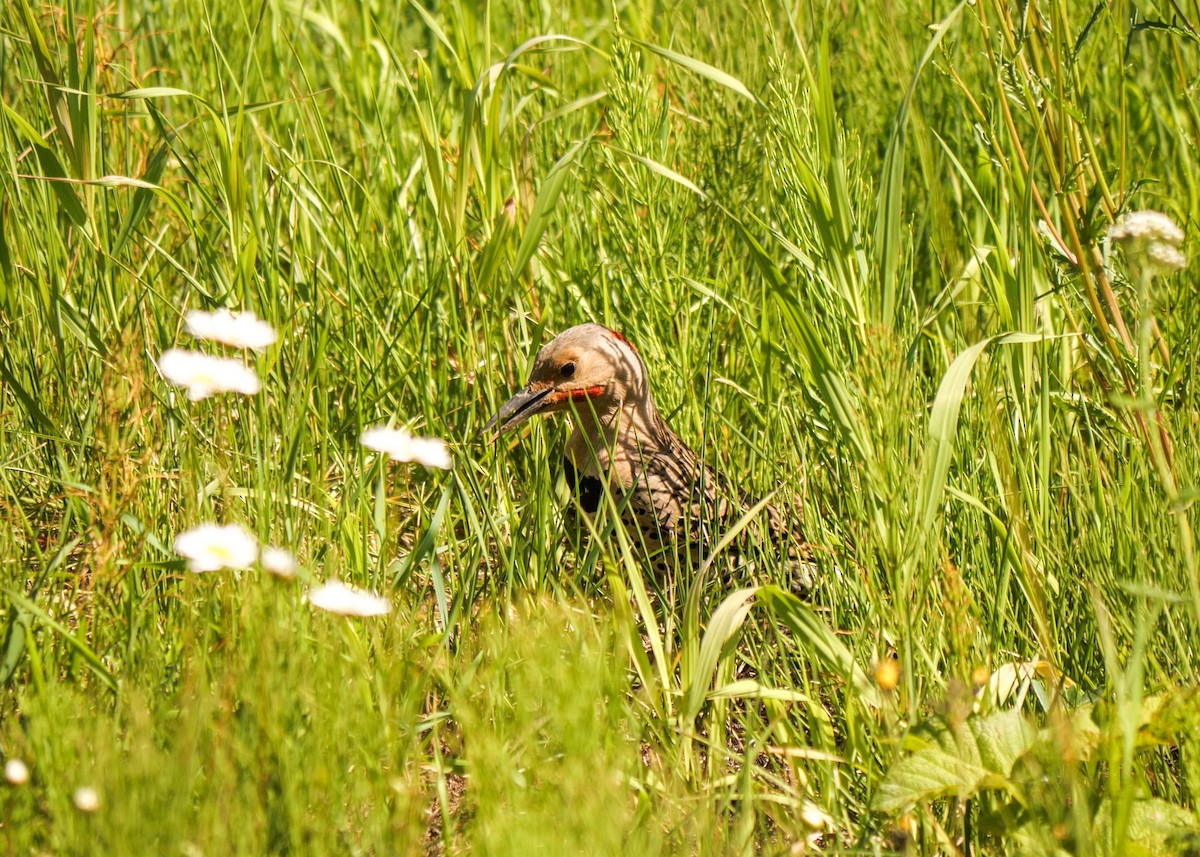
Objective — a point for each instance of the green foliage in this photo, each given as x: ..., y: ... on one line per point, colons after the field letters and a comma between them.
x: 862, y: 250
x: 956, y: 760
x: 548, y: 764
x: 1002, y: 760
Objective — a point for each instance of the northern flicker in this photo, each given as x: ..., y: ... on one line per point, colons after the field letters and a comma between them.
x: 671, y: 504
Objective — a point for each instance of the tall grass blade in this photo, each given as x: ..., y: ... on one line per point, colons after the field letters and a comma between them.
x: 818, y: 641
x: 74, y: 642
x: 943, y: 425
x: 889, y: 216
x: 722, y: 629
x: 543, y: 208
x: 709, y: 72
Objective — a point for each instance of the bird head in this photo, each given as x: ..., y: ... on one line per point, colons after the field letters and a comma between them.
x: 588, y: 366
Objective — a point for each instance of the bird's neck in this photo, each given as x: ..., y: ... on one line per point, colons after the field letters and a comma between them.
x: 607, y: 441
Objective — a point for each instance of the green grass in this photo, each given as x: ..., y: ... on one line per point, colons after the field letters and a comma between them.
x: 862, y: 249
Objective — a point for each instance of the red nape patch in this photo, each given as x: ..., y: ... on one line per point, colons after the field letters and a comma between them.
x: 621, y: 337
x: 578, y: 395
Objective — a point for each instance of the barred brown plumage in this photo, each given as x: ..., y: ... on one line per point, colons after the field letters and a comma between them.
x: 671, y: 503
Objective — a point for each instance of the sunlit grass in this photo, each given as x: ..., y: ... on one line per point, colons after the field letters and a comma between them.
x: 867, y: 252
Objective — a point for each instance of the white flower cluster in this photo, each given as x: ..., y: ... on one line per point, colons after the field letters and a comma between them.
x: 16, y: 772
x: 212, y: 547
x: 204, y: 375
x: 278, y: 562
x: 87, y: 799
x: 337, y: 597
x: 1150, y: 241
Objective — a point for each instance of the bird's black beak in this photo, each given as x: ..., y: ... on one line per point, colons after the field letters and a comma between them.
x: 515, y: 411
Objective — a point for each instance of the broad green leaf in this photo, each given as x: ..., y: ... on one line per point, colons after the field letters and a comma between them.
x: 1001, y: 739
x: 957, y: 761
x: 1161, y: 719
x: 943, y: 426
x: 927, y: 775
x: 1152, y: 824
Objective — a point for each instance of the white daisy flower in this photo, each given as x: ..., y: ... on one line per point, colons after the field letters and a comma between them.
x: 212, y: 547
x: 337, y: 597
x: 402, y: 446
x: 86, y: 799
x: 278, y: 562
x: 204, y: 375
x: 16, y: 772
x: 239, y: 329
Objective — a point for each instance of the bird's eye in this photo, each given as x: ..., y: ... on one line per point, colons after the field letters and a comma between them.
x: 567, y: 370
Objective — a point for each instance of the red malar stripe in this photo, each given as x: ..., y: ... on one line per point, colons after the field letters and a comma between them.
x: 575, y: 395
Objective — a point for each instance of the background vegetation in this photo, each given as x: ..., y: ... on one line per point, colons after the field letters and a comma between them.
x: 818, y: 222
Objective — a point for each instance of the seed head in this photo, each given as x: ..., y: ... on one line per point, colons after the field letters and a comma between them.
x: 1164, y: 259
x: 1150, y: 241
x: 1147, y: 227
